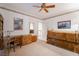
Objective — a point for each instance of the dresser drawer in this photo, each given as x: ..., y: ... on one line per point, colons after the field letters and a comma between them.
x: 70, y: 37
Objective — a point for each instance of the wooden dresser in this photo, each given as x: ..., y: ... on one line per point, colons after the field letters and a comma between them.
x: 25, y: 39
x: 64, y: 40
x: 28, y: 39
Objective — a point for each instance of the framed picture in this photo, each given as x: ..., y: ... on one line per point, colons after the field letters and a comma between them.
x: 18, y: 24
x: 64, y: 24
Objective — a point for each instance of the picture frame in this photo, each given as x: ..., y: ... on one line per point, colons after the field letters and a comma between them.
x: 64, y: 24
x: 18, y: 24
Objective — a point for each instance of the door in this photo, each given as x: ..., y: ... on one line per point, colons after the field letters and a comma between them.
x: 40, y: 30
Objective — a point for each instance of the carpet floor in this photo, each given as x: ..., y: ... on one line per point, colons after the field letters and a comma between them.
x: 41, y: 48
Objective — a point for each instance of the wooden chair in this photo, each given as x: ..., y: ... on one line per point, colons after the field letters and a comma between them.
x: 11, y: 44
x: 14, y: 42
x: 18, y: 41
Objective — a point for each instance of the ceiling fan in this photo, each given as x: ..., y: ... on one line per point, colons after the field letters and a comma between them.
x: 45, y: 7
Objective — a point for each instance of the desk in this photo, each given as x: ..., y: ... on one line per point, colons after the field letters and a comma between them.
x: 12, y: 42
x: 7, y: 44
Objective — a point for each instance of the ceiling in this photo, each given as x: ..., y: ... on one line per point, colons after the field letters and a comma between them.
x: 27, y: 8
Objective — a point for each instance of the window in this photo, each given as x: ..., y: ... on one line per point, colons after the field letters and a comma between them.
x: 40, y: 30
x: 31, y: 28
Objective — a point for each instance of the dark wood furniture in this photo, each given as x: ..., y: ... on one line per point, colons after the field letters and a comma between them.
x: 64, y: 40
x: 22, y: 39
x: 1, y: 32
x: 28, y: 39
x: 12, y: 42
x: 18, y: 40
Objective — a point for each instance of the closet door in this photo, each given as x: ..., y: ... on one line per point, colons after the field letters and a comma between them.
x: 1, y: 32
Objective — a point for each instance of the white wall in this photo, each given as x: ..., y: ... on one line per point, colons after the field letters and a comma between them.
x: 48, y: 24
x: 74, y: 17
x: 35, y: 22
x: 9, y: 21
x: 36, y: 27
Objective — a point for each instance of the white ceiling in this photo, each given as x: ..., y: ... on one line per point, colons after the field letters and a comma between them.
x: 27, y: 8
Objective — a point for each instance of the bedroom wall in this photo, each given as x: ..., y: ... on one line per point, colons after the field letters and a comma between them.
x: 50, y: 24
x: 74, y: 17
x: 9, y: 22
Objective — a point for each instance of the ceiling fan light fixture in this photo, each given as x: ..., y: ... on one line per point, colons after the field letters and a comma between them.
x: 45, y: 7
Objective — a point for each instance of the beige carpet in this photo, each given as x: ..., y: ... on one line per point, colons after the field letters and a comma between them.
x: 41, y: 48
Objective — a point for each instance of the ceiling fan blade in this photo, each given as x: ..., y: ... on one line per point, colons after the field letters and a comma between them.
x: 50, y: 6
x: 45, y: 10
x: 37, y: 6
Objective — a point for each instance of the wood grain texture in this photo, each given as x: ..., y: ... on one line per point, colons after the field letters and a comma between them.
x: 1, y: 32
x: 64, y: 40
x: 28, y: 39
